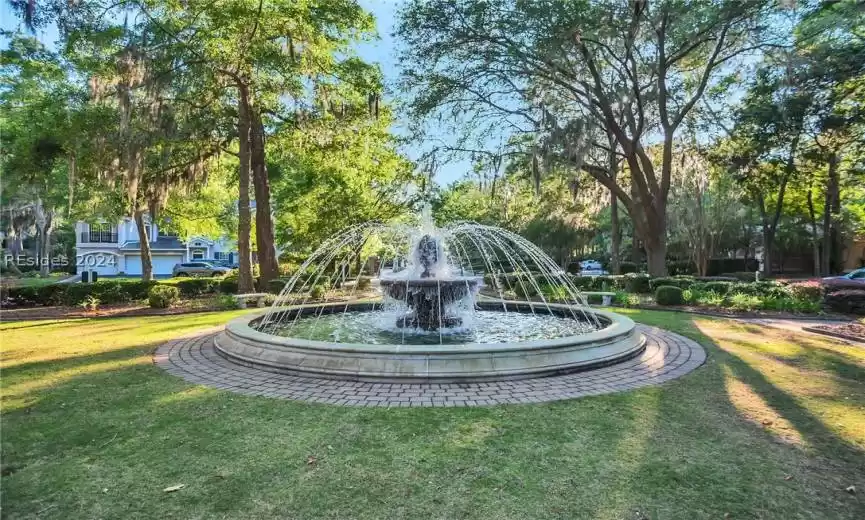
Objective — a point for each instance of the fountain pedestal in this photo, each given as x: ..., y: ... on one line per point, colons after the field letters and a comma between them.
x: 428, y: 298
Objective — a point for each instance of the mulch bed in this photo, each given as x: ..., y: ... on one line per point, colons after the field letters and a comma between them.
x: 851, y: 331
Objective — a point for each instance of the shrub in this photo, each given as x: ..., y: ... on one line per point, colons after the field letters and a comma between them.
x: 525, y: 290
x: 194, y: 287
x: 228, y: 285
x: 680, y: 282
x: 810, y: 291
x: 851, y: 301
x: 627, y: 267
x: 744, y: 302
x: 583, y: 283
x: 138, y: 289
x: 742, y: 276
x: 26, y: 295
x: 638, y: 283
x: 669, y: 295
x: 364, y: 283
x: 717, y: 287
x: 317, y: 292
x: 605, y: 283
x: 227, y: 302
x: 626, y: 300
x: 764, y: 289
x: 163, y: 296
x: 107, y: 291
x: 91, y: 303
x: 277, y: 285
x: 685, y: 267
x: 594, y: 299
x: 555, y: 293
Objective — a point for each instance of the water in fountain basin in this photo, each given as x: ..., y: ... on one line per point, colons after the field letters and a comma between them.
x: 377, y: 328
x: 432, y: 296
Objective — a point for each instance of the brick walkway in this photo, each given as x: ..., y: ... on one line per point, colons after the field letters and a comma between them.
x: 667, y: 356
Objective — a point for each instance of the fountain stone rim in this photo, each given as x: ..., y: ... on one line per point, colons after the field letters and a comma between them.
x: 467, y: 362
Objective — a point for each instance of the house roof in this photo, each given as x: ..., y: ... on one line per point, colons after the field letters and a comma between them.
x: 161, y: 243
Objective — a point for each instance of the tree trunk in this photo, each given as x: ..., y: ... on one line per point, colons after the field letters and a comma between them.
x: 615, y: 229
x: 656, y: 256
x: 45, y: 246
x: 655, y: 239
x: 768, y: 242
x: 815, y: 239
x: 828, y: 206
x: 267, y: 261
x: 836, y: 262
x: 144, y: 240
x: 636, y: 257
x: 43, y: 221
x: 615, y: 235
x: 245, y: 282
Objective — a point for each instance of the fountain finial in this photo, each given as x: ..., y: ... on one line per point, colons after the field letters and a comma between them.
x: 427, y: 252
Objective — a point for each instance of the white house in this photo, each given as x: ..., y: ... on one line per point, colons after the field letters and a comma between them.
x: 115, y: 249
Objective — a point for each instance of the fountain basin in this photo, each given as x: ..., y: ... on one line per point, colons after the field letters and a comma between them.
x: 615, y: 341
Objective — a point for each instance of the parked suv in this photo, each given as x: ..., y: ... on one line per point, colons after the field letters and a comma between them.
x: 199, y: 269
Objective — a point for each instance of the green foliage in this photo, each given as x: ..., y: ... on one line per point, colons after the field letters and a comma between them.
x: 91, y: 303
x: 228, y: 285
x: 850, y: 301
x: 680, y: 282
x: 227, y: 302
x: 767, y: 288
x: 810, y: 291
x: 276, y: 286
x: 163, y: 296
x: 626, y: 299
x: 669, y: 295
x: 721, y: 288
x: 364, y: 283
x: 744, y: 302
x: 685, y: 267
x: 317, y: 292
x: 638, y: 284
x: 744, y: 276
x: 195, y: 287
x: 628, y: 267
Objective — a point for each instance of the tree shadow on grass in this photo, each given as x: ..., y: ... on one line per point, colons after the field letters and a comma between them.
x: 679, y: 450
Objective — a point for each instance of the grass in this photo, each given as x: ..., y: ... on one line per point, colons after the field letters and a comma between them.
x: 26, y: 281
x: 773, y: 426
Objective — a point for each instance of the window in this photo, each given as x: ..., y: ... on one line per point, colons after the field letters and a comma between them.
x: 103, y: 233
x: 219, y: 255
x: 197, y: 255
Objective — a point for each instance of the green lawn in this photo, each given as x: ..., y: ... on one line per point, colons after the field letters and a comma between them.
x: 26, y: 281
x: 773, y: 426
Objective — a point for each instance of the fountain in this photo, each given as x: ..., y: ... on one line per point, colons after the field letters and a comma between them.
x: 466, y: 302
x: 428, y: 296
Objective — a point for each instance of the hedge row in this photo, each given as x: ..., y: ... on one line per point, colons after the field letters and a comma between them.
x: 116, y: 291
x: 850, y: 301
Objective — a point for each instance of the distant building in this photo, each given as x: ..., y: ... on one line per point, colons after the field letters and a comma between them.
x: 113, y: 249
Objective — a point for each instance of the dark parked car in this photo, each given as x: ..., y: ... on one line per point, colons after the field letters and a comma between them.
x: 853, y: 279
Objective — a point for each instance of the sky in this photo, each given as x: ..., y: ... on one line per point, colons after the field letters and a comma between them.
x: 381, y: 51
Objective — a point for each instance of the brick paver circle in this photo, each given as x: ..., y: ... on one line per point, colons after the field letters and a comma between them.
x: 667, y: 356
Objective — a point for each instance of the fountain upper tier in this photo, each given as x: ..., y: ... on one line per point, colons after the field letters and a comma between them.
x: 428, y: 295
